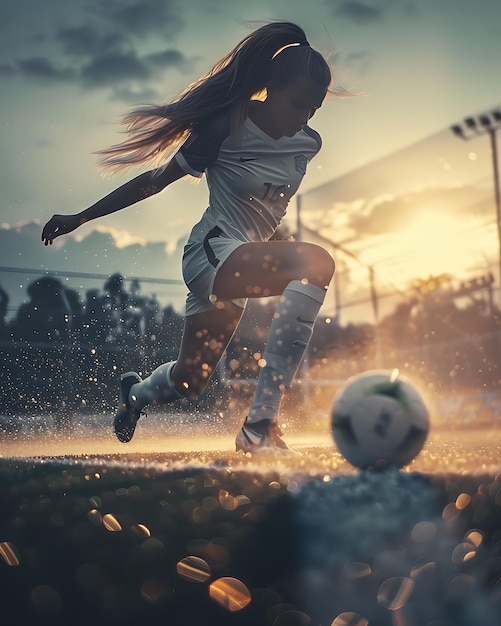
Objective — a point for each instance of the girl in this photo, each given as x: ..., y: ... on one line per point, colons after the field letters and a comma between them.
x: 244, y: 125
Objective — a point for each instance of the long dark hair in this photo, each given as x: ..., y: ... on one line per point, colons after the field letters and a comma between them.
x: 278, y: 51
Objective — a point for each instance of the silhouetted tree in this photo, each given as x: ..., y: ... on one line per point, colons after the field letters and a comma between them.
x: 4, y: 303
x: 47, y: 316
x: 95, y: 319
x: 171, y: 330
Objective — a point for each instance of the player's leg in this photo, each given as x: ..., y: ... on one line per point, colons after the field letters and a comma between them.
x: 260, y: 269
x: 301, y: 273
x: 205, y: 338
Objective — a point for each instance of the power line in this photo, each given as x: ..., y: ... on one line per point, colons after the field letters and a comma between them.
x: 66, y: 274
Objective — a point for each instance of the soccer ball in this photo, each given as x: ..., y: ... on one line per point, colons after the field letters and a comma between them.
x: 379, y: 420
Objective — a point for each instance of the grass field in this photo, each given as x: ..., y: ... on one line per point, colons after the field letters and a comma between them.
x: 182, y: 530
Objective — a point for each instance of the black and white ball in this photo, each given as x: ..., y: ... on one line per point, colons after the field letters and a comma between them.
x: 379, y: 420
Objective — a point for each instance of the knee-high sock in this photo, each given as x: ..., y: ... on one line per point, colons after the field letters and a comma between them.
x: 288, y: 338
x: 156, y: 389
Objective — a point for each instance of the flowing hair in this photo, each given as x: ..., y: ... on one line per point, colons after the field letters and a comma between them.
x: 278, y: 51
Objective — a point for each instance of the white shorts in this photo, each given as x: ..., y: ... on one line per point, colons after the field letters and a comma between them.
x: 201, y: 263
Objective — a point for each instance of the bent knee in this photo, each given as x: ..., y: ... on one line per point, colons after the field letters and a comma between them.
x: 327, y: 262
x: 319, y: 265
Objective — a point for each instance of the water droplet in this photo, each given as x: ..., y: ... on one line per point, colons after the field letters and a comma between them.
x: 96, y: 502
x: 9, y: 553
x: 141, y: 530
x: 423, y: 568
x: 230, y: 593
x: 394, y: 592
x: 227, y: 501
x: 463, y: 552
x: 95, y: 517
x: 156, y: 591
x: 475, y: 537
x: 450, y: 512
x: 46, y: 599
x: 153, y: 547
x: 242, y: 500
x: 356, y: 570
x: 350, y: 619
x: 292, y: 617
x: 111, y: 523
x: 462, y: 501
x: 193, y: 568
x: 423, y: 532
x: 201, y: 515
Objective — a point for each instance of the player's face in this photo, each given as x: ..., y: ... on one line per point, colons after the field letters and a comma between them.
x: 290, y: 107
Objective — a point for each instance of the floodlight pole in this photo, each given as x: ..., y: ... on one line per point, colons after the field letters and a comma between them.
x: 472, y: 128
x: 497, y: 191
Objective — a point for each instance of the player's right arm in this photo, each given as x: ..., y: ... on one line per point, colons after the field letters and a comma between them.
x: 135, y: 190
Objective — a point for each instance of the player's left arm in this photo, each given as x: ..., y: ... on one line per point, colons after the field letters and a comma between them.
x: 133, y: 191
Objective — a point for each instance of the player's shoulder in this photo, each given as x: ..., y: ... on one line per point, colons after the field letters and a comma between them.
x: 201, y: 149
x: 215, y: 126
x: 314, y: 135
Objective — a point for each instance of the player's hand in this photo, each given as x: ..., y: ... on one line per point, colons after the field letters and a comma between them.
x: 59, y: 225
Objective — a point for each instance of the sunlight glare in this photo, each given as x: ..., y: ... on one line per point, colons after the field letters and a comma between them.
x: 431, y: 243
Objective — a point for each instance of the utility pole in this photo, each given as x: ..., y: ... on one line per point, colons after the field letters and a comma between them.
x: 473, y: 127
x: 372, y: 282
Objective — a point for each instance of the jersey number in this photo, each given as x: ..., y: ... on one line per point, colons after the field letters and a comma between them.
x: 272, y: 193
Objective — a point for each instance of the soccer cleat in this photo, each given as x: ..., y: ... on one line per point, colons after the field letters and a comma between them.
x: 264, y: 436
x: 126, y: 417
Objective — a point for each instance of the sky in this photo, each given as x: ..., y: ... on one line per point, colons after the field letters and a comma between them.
x: 69, y: 70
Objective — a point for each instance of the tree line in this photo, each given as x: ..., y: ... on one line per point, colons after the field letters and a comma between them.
x: 62, y: 351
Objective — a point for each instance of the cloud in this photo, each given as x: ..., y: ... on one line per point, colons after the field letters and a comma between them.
x: 122, y: 238
x: 113, y: 68
x: 141, y: 17
x: 7, y: 70
x: 167, y: 58
x: 355, y: 224
x: 43, y: 69
x: 103, y: 250
x: 120, y: 68
x: 359, y: 12
x: 367, y: 12
x: 410, y: 235
x: 112, y: 44
x: 86, y: 40
x: 359, y: 61
x: 133, y: 93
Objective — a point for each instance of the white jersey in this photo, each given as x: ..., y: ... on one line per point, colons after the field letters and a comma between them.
x: 251, y: 178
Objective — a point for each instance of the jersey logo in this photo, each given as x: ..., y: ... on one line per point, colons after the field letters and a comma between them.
x: 301, y: 163
x: 301, y: 320
x: 244, y: 159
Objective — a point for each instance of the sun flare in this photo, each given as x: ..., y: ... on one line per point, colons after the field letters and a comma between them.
x: 432, y: 243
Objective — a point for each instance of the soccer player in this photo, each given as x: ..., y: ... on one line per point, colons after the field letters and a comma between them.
x: 245, y: 125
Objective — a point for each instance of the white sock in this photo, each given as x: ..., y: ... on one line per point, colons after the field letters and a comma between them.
x: 156, y: 389
x: 288, y: 338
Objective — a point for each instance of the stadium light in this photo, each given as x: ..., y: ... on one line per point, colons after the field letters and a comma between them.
x: 473, y: 127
